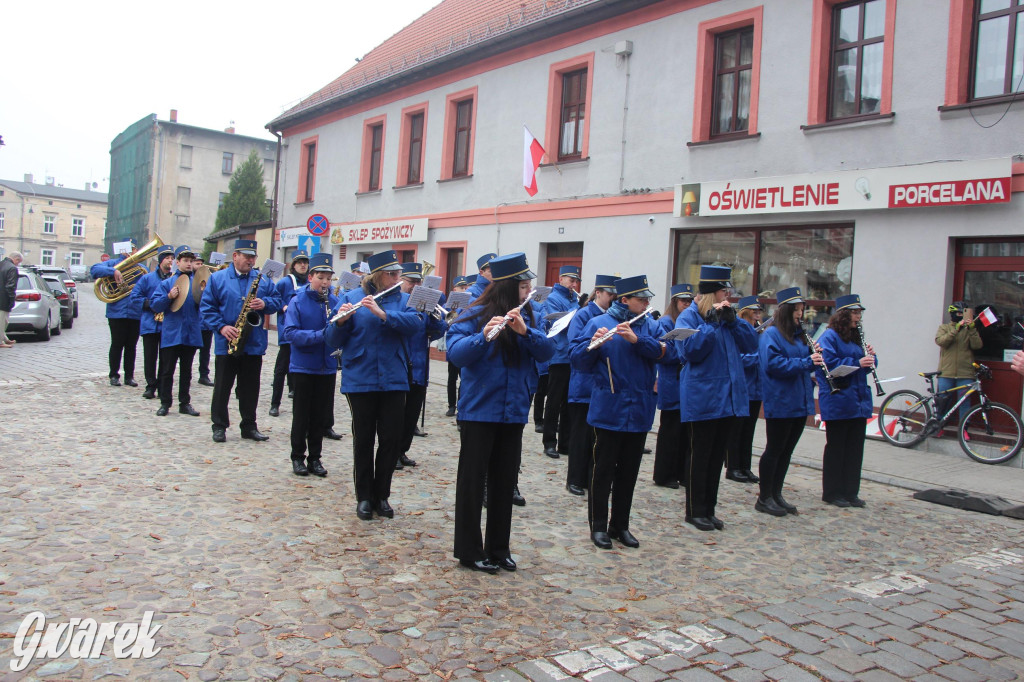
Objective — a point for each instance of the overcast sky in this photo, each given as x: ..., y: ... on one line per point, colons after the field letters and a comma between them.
x: 76, y: 74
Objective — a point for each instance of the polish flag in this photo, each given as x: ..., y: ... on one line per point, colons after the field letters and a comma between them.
x: 532, y: 154
x: 987, y: 317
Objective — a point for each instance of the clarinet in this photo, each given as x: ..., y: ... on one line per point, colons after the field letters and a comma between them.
x: 879, y: 391
x: 828, y: 373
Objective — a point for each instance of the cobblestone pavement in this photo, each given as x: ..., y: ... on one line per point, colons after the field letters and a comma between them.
x: 108, y: 512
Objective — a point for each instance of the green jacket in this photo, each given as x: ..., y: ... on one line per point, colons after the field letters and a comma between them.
x: 958, y: 343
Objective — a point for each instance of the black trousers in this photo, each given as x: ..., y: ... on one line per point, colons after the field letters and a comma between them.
x: 844, y: 456
x: 150, y: 360
x: 783, y: 435
x: 539, y: 399
x: 284, y: 356
x: 617, y: 458
x: 124, y: 337
x: 376, y: 414
x: 672, y: 449
x: 741, y: 442
x: 708, y: 441
x: 489, y: 452
x: 311, y: 411
x: 246, y: 369
x: 413, y: 404
x: 169, y: 357
x: 556, y: 410
x: 204, y: 354
x: 581, y: 446
x: 453, y: 389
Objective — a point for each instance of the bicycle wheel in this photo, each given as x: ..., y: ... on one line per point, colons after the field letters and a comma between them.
x: 902, y: 418
x: 991, y: 434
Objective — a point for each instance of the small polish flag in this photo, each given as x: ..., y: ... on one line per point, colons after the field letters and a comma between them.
x: 532, y: 154
x: 988, y: 317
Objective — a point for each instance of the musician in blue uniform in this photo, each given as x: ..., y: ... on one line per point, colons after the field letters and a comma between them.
x: 672, y: 450
x: 286, y: 288
x: 493, y: 408
x: 712, y: 388
x: 225, y: 294
x: 739, y: 452
x: 149, y: 326
x: 479, y: 282
x: 845, y: 412
x: 312, y: 368
x: 180, y: 336
x: 786, y: 367
x: 375, y: 376
x: 123, y: 319
x: 563, y: 299
x: 581, y: 384
x: 622, y: 402
x: 204, y: 350
x: 460, y: 283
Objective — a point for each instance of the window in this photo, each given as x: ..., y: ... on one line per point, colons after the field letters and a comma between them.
x: 78, y: 227
x: 573, y: 115
x: 459, y: 135
x: 373, y: 154
x: 411, y: 145
x: 220, y: 200
x: 307, y: 169
x: 46, y: 256
x: 49, y: 224
x: 858, y: 41
x: 77, y: 258
x: 186, y: 156
x: 415, y: 154
x: 1, y: 221
x: 998, y: 64
x: 570, y: 84
x: 227, y: 164
x: 463, y: 130
x: 728, y: 77
x: 734, y: 57
x: 183, y: 200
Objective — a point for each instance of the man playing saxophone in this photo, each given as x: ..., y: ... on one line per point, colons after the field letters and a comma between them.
x: 221, y: 309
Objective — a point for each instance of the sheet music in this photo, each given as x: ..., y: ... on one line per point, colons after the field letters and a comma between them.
x: 217, y: 258
x: 122, y: 247
x: 424, y: 299
x: 556, y: 316
x: 541, y: 294
x: 350, y: 281
x: 457, y: 300
x: 273, y: 268
x: 432, y: 282
x: 562, y: 323
x: 843, y: 370
x: 678, y: 334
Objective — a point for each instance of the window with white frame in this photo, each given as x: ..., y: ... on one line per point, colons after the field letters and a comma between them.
x: 78, y: 227
x: 49, y: 224
x: 47, y: 256
x: 1, y: 221
x: 77, y: 258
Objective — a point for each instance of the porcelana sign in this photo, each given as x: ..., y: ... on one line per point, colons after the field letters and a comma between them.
x: 954, y: 183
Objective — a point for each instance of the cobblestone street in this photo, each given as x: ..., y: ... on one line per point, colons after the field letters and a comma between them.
x: 253, y: 573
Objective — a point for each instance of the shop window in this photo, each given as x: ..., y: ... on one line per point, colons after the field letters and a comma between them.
x: 990, y: 274
x: 373, y: 154
x: 728, y: 76
x: 998, y: 59
x: 570, y: 84
x: 459, y: 135
x: 411, y: 145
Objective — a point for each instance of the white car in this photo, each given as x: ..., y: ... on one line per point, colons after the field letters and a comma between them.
x: 36, y: 309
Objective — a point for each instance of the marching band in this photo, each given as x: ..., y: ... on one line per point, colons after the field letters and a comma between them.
x: 709, y: 365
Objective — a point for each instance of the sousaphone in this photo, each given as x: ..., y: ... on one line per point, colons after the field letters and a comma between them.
x: 183, y: 287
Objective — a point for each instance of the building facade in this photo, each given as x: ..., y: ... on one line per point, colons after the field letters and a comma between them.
x: 862, y: 146
x: 52, y: 225
x: 168, y: 178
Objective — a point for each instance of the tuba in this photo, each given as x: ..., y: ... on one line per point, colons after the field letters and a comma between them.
x: 428, y: 268
x: 109, y: 291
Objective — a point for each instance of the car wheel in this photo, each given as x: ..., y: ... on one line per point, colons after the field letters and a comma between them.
x: 70, y: 323
x: 76, y: 312
x: 44, y: 333
x: 56, y: 330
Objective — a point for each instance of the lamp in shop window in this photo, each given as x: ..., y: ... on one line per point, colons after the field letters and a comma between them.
x: 688, y: 201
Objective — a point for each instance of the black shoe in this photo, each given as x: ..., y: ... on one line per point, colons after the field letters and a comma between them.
x: 575, y: 489
x: 405, y: 461
x: 624, y: 536
x: 219, y: 436
x: 700, y: 523
x: 768, y: 506
x: 275, y: 411
x: 647, y: 451
x: 506, y: 563
x: 552, y: 453
x: 538, y: 428
x: 316, y: 468
x: 857, y: 502
x: 291, y: 395
x: 781, y: 501
x: 751, y: 478
x: 562, y: 451
x: 364, y: 510
x: 254, y: 434
x: 114, y: 381
x: 398, y: 465
x: 517, y: 497
x: 837, y: 502
x: 332, y: 434
x: 716, y: 522
x: 668, y: 484
x: 188, y: 409
x: 205, y: 381
x: 737, y: 475
x: 483, y: 565
x: 130, y: 382
x: 384, y: 509
x: 601, y: 539
x: 450, y: 412
x: 299, y: 468
x: 417, y: 432
x: 162, y: 411
x: 149, y: 394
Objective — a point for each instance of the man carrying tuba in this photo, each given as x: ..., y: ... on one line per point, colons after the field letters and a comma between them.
x: 123, y: 316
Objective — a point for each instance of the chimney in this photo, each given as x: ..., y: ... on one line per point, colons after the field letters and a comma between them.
x: 230, y: 130
x: 174, y: 115
x: 28, y: 178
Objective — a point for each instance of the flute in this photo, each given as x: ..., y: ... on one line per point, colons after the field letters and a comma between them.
x: 611, y: 332
x: 879, y: 391
x: 357, y: 306
x: 828, y: 373
x: 496, y: 329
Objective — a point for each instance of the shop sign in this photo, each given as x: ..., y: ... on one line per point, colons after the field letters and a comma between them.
x: 289, y: 236
x: 387, y: 232
x: 953, y: 183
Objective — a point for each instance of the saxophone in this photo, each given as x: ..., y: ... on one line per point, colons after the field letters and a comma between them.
x: 247, y: 318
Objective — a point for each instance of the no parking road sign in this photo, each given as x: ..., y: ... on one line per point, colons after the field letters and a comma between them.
x: 318, y: 225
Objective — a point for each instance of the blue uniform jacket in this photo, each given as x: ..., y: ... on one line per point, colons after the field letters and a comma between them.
x: 712, y: 384
x: 430, y: 329
x: 668, y: 375
x: 125, y: 309
x: 375, y: 353
x: 222, y: 302
x: 492, y: 391
x: 476, y: 289
x: 581, y: 384
x: 286, y: 289
x: 786, y: 368
x: 623, y: 372
x: 854, y: 401
x: 560, y: 300
x: 181, y: 327
x: 305, y: 322
x: 141, y: 292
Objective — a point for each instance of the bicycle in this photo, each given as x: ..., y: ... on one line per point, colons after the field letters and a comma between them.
x: 990, y: 433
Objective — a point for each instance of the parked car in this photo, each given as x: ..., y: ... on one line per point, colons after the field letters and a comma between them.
x: 79, y: 273
x: 69, y: 282
x: 60, y: 292
x: 36, y: 309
